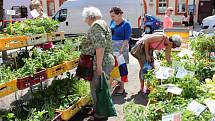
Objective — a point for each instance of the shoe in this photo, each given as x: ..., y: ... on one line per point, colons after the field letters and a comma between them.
x: 91, y: 112
x: 93, y: 118
x: 144, y: 91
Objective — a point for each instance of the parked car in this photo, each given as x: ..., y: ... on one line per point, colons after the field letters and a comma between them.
x: 208, y: 24
x: 151, y: 24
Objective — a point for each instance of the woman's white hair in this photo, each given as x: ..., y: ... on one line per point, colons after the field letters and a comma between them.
x: 91, y: 12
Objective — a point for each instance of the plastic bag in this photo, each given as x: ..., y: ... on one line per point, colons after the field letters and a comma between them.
x: 104, y: 103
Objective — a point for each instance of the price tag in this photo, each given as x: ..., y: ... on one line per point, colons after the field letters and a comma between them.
x: 181, y: 73
x: 34, y: 13
x: 185, y: 52
x: 211, y: 105
x: 164, y: 73
x: 196, y: 108
x: 172, y: 117
x: 11, y: 12
x: 174, y: 90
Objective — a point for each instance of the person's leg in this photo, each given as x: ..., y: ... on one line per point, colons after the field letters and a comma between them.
x: 122, y: 87
x: 140, y: 76
x: 192, y: 30
x: 122, y: 84
x: 93, y: 85
x: 107, y: 69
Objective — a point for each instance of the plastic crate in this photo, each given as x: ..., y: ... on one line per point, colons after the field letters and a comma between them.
x: 183, y: 32
x: 8, y: 88
x: 37, y: 39
x: 28, y: 81
x: 184, y: 35
x: 70, y: 112
x: 9, y: 43
x: 83, y: 101
x: 57, y: 36
x: 71, y: 64
x: 56, y: 70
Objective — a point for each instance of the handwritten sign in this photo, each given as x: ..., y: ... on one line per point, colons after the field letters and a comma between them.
x: 34, y: 13
x: 164, y: 73
x: 11, y: 12
x: 174, y: 90
x: 172, y: 117
x: 211, y: 105
x: 196, y: 107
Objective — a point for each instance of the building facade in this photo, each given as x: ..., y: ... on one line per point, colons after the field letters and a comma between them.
x: 200, y: 8
x: 204, y: 8
x: 157, y: 8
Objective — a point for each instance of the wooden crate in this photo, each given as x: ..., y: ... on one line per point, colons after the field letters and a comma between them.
x: 56, y: 70
x: 8, y: 88
x: 9, y: 43
x: 37, y: 39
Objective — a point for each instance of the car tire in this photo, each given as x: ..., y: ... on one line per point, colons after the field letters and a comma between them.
x: 148, y: 30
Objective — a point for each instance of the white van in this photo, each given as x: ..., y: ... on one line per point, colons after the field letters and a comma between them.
x: 70, y: 13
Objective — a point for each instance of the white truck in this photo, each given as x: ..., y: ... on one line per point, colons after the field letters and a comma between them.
x: 70, y: 13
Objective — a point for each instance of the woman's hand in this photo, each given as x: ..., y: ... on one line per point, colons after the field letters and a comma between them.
x: 99, y: 70
x: 148, y: 58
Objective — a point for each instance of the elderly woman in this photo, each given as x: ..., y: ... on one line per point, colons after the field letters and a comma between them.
x: 145, y: 56
x: 99, y: 45
x: 121, y: 32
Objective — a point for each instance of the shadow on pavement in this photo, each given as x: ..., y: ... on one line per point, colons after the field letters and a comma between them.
x: 118, y: 99
x: 139, y: 98
x: 82, y: 115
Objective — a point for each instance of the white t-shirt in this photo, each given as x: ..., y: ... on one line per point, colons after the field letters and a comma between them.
x: 185, y: 18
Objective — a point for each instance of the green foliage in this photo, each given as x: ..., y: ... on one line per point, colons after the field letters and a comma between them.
x: 33, y: 26
x: 6, y: 74
x: 202, y: 45
x: 61, y: 94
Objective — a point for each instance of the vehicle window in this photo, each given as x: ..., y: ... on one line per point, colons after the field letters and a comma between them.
x: 57, y: 15
x: 61, y: 15
x: 148, y: 18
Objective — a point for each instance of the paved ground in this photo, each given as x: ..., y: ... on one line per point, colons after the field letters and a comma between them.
x: 132, y: 88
